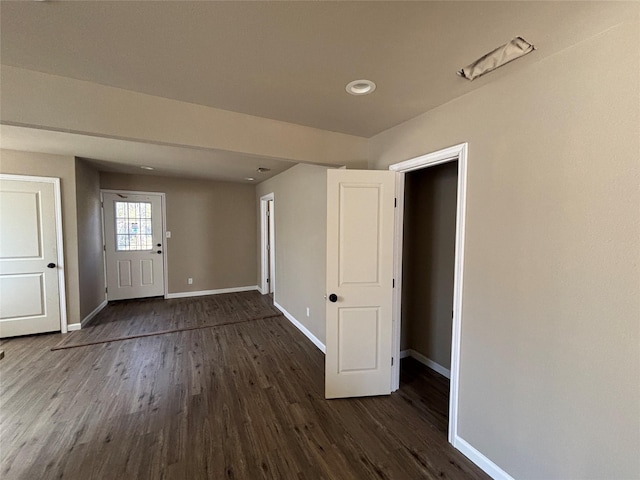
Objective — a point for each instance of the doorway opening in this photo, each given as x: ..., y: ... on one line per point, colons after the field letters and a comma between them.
x: 267, y: 244
x: 428, y: 267
x: 427, y: 294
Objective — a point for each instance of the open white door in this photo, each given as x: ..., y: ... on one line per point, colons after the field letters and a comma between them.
x: 360, y: 232
x: 134, y: 244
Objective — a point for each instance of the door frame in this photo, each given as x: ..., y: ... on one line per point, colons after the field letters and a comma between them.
x: 163, y: 203
x: 457, y: 152
x: 267, y: 257
x: 57, y: 200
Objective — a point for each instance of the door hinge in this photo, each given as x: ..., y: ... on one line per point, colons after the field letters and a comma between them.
x: 268, y: 280
x: 392, y: 361
x: 101, y: 204
x: 104, y: 247
x: 106, y: 290
x: 395, y: 203
x: 393, y: 283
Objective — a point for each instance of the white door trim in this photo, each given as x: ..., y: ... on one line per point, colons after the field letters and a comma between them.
x: 165, y: 280
x: 59, y: 237
x: 264, y: 241
x: 459, y: 153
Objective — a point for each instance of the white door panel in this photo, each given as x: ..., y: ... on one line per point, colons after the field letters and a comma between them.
x: 24, y: 295
x: 29, y: 288
x: 146, y: 272
x: 360, y: 221
x: 134, y: 245
x: 124, y: 274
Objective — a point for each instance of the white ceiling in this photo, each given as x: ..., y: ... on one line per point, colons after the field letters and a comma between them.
x: 288, y: 61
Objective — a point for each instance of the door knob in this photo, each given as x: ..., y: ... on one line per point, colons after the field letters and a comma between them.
x: 159, y: 245
x: 159, y: 251
x: 333, y: 298
x: 51, y: 265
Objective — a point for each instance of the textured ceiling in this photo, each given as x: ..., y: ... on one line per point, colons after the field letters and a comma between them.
x: 289, y: 61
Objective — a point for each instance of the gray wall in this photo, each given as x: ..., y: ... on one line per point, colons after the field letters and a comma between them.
x: 63, y: 167
x: 40, y: 100
x: 212, y: 225
x: 428, y: 261
x: 300, y: 236
x: 90, y: 254
x: 550, y: 363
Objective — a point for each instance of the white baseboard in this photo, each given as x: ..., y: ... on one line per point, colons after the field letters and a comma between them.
x: 73, y: 326
x: 459, y: 443
x: 301, y: 327
x: 426, y: 361
x: 480, y: 460
x: 95, y: 312
x: 211, y: 292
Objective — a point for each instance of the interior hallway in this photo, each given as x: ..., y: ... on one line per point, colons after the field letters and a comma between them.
x: 229, y: 398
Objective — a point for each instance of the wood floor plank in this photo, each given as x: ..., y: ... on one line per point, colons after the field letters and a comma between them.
x: 234, y: 400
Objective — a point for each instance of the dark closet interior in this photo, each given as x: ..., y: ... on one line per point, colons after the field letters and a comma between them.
x: 430, y: 203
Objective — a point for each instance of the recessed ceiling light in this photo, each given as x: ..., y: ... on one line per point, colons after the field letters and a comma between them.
x: 249, y: 179
x: 144, y: 167
x: 360, y: 87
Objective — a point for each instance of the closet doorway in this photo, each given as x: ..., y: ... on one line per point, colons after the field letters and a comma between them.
x: 429, y: 240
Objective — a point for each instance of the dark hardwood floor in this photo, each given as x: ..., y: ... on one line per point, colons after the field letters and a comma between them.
x: 128, y: 318
x: 239, y: 400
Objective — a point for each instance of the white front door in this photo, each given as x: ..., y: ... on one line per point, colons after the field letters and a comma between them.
x: 29, y: 283
x: 134, y: 244
x: 360, y: 229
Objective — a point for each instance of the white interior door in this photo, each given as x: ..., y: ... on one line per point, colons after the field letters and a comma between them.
x: 360, y: 229
x: 134, y: 244
x: 29, y: 283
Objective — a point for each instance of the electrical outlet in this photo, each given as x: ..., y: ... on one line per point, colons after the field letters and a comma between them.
x: 307, y: 311
x: 190, y: 281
